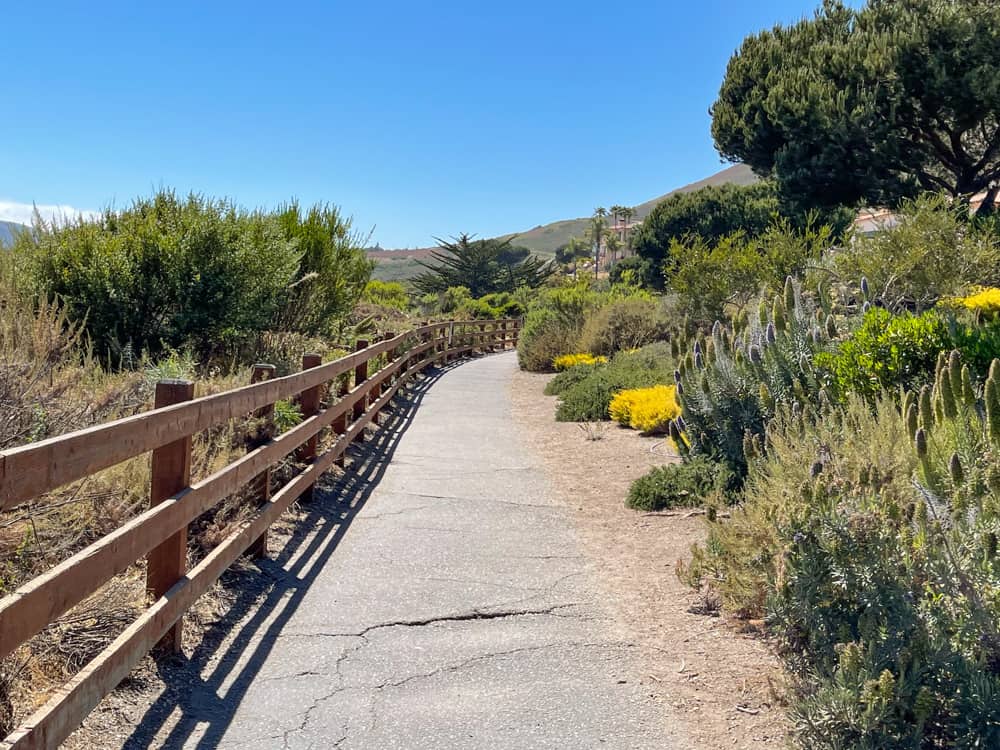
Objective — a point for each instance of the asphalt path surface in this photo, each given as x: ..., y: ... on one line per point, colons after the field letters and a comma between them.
x: 441, y: 601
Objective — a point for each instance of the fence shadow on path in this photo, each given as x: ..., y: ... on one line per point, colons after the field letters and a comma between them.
x: 282, y: 579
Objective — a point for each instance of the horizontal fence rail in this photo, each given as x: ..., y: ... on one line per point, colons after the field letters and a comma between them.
x: 159, y: 534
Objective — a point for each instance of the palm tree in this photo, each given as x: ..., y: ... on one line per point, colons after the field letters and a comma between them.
x: 597, y: 226
x: 616, y: 212
x: 628, y: 214
x: 614, y: 244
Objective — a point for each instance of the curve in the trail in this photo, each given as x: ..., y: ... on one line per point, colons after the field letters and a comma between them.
x: 452, y: 609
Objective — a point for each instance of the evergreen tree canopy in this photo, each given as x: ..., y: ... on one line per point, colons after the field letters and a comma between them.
x: 710, y: 213
x: 870, y: 105
x: 482, y: 266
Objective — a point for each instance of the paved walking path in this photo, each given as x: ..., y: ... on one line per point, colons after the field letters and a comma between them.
x: 456, y: 610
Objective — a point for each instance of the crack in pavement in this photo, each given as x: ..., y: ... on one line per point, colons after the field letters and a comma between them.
x: 495, y: 655
x: 376, y: 690
x: 436, y: 529
x: 473, y: 615
x: 297, y: 675
x: 376, y: 516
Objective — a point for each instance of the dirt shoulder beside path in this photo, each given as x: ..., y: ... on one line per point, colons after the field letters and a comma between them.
x: 715, y: 680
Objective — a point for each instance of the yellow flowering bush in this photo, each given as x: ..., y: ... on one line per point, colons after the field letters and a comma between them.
x: 566, y: 361
x: 982, y: 299
x: 646, y: 409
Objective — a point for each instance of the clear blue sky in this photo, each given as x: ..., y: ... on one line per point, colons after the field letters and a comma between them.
x: 418, y: 119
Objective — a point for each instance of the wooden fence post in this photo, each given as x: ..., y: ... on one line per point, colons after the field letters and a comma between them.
x: 421, y: 339
x: 386, y: 384
x: 309, y: 404
x: 170, y: 473
x: 360, y: 376
x: 340, y: 423
x: 260, y: 487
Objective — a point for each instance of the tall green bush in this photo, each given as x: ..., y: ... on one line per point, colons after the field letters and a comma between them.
x: 170, y: 272
x: 166, y: 271
x: 387, y: 293
x: 713, y: 279
x: 553, y: 324
x: 621, y: 325
x: 332, y: 273
x: 710, y: 214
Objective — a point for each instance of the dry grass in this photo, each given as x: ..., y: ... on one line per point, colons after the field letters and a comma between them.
x: 49, y: 385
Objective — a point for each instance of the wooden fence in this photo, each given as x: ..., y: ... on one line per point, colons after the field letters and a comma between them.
x: 160, y: 534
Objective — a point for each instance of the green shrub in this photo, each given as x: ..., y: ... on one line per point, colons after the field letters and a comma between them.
x: 490, y: 307
x: 553, y: 325
x: 170, y: 272
x: 544, y: 337
x: 286, y: 416
x: 979, y: 343
x: 732, y: 385
x: 714, y: 278
x: 872, y: 551
x: 887, y: 351
x: 505, y: 304
x: 622, y: 325
x: 332, y: 273
x: 386, y: 293
x: 932, y: 253
x: 570, y: 377
x: 711, y: 213
x: 477, y: 309
x: 680, y: 485
x: 164, y: 272
x: 589, y: 399
x: 635, y: 271
x: 453, y: 298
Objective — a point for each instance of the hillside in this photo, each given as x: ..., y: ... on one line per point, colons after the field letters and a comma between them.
x: 397, y: 265
x: 545, y: 239
x: 7, y: 230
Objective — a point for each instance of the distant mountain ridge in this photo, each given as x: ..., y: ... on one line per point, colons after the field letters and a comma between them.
x: 7, y: 231
x: 544, y: 239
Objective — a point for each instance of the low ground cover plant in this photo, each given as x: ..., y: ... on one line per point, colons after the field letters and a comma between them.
x: 566, y: 361
x: 683, y: 485
x: 645, y: 409
x: 570, y: 377
x: 589, y: 396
